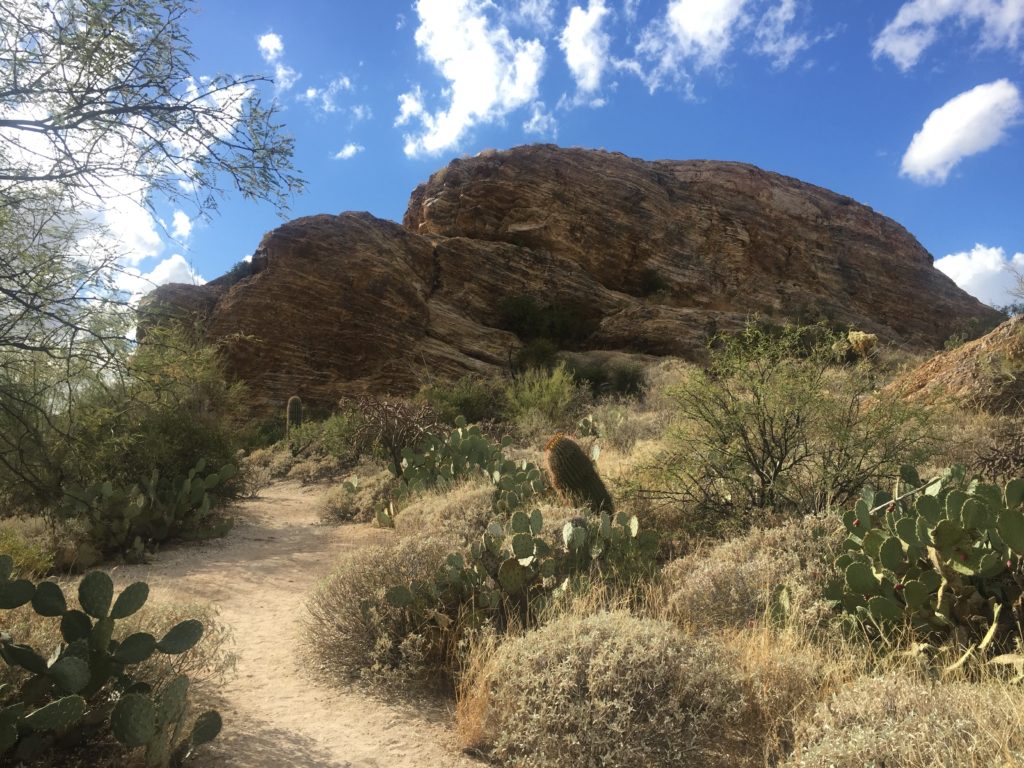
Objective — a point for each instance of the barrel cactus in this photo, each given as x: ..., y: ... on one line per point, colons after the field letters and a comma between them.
x: 293, y: 414
x: 574, y: 477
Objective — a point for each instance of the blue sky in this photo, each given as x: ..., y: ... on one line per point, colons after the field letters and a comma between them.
x: 913, y: 108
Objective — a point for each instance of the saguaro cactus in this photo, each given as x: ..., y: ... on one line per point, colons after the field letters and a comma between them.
x: 574, y: 477
x: 293, y: 414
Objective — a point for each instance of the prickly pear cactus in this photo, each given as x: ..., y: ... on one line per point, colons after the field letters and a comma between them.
x: 73, y: 686
x: 573, y: 475
x: 944, y: 557
x: 292, y: 414
x: 466, y: 452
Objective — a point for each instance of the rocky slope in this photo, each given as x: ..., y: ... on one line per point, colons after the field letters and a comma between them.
x: 986, y: 374
x: 656, y: 256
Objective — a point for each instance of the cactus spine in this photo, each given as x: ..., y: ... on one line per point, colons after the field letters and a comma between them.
x: 293, y: 414
x: 574, y: 477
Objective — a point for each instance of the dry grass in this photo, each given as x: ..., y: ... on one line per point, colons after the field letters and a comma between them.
x: 733, y: 584
x: 352, y: 631
x: 30, y: 543
x: 610, y: 689
x: 340, y: 505
x: 463, y: 510
x: 899, y: 720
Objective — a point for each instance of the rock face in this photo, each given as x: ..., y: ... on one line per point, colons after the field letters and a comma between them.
x: 986, y: 374
x: 657, y: 255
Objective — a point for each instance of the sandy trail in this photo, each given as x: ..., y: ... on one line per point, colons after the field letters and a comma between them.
x: 275, y: 715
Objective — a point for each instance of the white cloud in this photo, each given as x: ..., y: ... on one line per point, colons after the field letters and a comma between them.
x: 539, y: 14
x: 348, y: 152
x: 362, y: 112
x: 586, y: 45
x: 310, y: 94
x: 541, y: 122
x: 965, y: 125
x: 772, y: 38
x: 630, y: 7
x: 271, y: 47
x: 984, y: 272
x: 173, y: 269
x: 694, y: 35
x: 181, y: 225
x: 272, y: 50
x: 489, y: 73
x: 917, y: 24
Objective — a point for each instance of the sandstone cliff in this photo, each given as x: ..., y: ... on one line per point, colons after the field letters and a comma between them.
x: 658, y: 255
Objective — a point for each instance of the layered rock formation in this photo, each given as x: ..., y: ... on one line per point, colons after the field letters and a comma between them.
x: 658, y: 255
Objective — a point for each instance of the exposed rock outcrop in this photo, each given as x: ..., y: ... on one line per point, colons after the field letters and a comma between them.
x: 660, y: 255
x: 986, y: 374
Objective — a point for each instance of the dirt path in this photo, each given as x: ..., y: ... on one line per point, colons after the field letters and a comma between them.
x: 275, y: 715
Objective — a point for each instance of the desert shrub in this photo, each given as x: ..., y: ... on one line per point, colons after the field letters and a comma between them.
x: 621, y: 425
x: 357, y: 497
x: 609, y: 378
x: 175, y: 409
x: 101, y: 684
x: 315, y: 470
x: 538, y: 353
x: 389, y: 427
x: 353, y: 630
x: 999, y: 456
x: 773, y: 425
x: 475, y: 398
x: 30, y: 544
x: 549, y: 398
x: 463, y: 509
x: 775, y: 574
x: 609, y: 690
x: 901, y: 722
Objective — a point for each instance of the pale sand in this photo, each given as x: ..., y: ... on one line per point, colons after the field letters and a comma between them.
x: 275, y: 714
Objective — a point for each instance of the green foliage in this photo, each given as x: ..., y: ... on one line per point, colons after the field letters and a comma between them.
x: 475, y: 398
x: 610, y: 379
x: 574, y: 476
x: 550, y: 397
x: 944, y: 557
x: 238, y: 272
x: 565, y: 324
x: 463, y: 453
x: 131, y: 520
x: 512, y: 569
x: 88, y: 681
x: 538, y: 353
x: 775, y: 425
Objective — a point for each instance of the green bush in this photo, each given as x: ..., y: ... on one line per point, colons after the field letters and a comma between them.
x: 539, y: 353
x: 610, y: 378
x: 88, y: 686
x: 29, y: 543
x: 476, y: 398
x: 551, y: 400
x: 610, y: 690
x: 774, y: 425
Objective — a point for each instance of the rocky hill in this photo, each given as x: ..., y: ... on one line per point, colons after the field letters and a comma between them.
x: 986, y: 374
x: 650, y: 257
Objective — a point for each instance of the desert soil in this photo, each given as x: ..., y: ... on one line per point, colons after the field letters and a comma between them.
x: 275, y: 714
